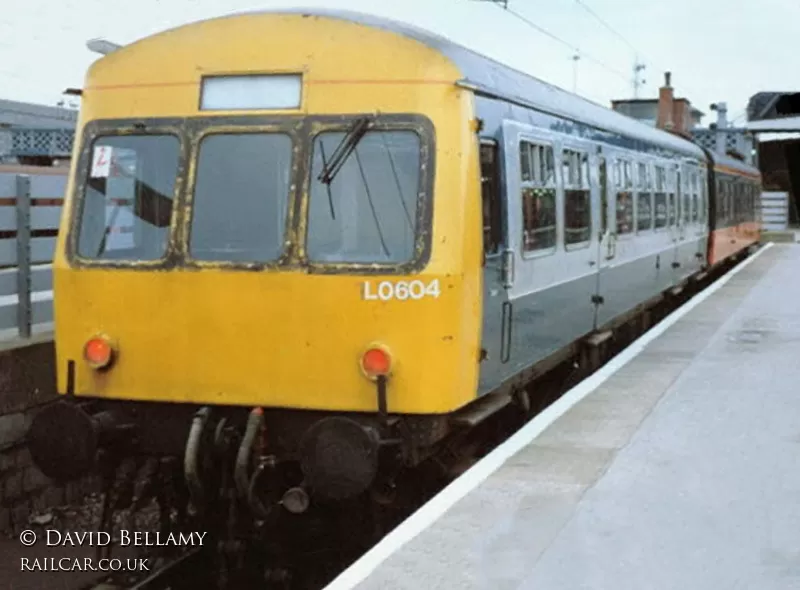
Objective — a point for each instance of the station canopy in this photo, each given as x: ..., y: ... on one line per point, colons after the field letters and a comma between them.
x: 774, y: 112
x: 782, y: 124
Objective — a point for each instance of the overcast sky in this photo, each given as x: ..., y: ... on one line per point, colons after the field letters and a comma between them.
x: 717, y: 50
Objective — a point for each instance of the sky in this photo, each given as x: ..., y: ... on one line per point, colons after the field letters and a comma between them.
x: 717, y: 50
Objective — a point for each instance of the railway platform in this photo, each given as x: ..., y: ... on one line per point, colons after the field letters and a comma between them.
x: 676, y: 465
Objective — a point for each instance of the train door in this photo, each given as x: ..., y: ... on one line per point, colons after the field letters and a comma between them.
x: 607, y: 238
x: 552, y: 230
x: 696, y: 233
x: 677, y: 226
x: 702, y: 216
x: 495, y: 336
x: 686, y: 261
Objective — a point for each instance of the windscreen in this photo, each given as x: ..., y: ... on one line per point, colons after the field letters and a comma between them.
x: 368, y: 211
x: 241, y: 197
x: 127, y: 201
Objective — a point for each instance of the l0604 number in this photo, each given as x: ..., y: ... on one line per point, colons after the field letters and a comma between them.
x: 400, y: 290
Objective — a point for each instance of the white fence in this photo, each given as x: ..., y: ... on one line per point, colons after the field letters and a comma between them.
x: 30, y: 209
x: 775, y: 211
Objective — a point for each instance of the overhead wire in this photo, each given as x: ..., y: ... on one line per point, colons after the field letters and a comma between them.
x: 571, y: 46
x: 615, y: 32
x: 593, y: 13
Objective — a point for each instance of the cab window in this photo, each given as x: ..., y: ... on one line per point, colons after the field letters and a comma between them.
x: 368, y: 213
x: 126, y: 208
x: 241, y: 197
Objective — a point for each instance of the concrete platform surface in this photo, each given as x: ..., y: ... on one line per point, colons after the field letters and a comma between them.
x: 679, y: 469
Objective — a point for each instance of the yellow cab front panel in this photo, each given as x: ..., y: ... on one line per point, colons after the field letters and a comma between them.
x: 234, y: 298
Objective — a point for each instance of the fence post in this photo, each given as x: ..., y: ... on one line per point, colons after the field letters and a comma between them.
x: 24, y: 255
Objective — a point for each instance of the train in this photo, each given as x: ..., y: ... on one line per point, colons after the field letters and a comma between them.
x: 302, y: 249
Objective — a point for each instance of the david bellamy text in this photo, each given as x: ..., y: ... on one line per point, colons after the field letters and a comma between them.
x: 126, y: 538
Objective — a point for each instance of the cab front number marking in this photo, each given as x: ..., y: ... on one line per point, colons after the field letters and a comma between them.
x: 401, y: 290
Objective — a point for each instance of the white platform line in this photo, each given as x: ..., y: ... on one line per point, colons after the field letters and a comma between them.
x: 444, y: 500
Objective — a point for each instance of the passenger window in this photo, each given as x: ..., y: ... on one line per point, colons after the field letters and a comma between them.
x: 703, y: 179
x: 723, y: 208
x: 738, y: 203
x: 603, y: 179
x: 623, y: 183
x: 577, y: 203
x: 538, y: 196
x: 663, y: 209
x: 687, y: 198
x: 490, y: 198
x: 240, y: 197
x: 644, y: 199
x: 695, y: 196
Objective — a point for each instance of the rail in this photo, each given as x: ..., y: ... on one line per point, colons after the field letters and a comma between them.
x: 30, y: 211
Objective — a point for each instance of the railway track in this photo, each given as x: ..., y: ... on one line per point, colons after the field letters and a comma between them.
x: 175, y: 574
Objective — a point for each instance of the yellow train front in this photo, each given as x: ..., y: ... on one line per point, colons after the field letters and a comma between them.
x: 271, y: 251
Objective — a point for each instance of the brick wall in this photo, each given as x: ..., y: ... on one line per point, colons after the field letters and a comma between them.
x: 27, y: 381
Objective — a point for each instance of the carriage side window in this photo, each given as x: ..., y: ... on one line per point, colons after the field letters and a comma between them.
x: 745, y: 208
x: 490, y: 197
x: 661, y: 201
x: 728, y: 203
x: 724, y: 203
x: 623, y: 185
x: 241, y: 197
x: 602, y: 176
x: 644, y: 198
x: 744, y: 204
x: 749, y: 203
x: 731, y: 214
x: 126, y: 208
x: 686, y: 196
x: 369, y: 212
x: 757, y: 202
x: 695, y: 195
x: 749, y: 209
x: 703, y: 189
x: 538, y: 196
x: 672, y: 202
x: 577, y: 202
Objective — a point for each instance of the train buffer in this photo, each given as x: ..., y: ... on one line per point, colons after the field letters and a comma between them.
x: 674, y: 466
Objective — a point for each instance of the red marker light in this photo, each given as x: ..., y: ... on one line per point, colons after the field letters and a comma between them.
x: 98, y: 352
x: 376, y: 361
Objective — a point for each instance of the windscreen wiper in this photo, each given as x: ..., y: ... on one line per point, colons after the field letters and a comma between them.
x: 343, y: 151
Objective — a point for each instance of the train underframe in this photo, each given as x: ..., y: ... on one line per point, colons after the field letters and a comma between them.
x: 261, y: 477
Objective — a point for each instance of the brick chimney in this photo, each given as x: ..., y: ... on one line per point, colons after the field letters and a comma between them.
x: 666, y: 99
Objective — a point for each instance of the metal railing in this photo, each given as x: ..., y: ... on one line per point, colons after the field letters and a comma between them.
x: 27, y: 141
x: 30, y: 210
